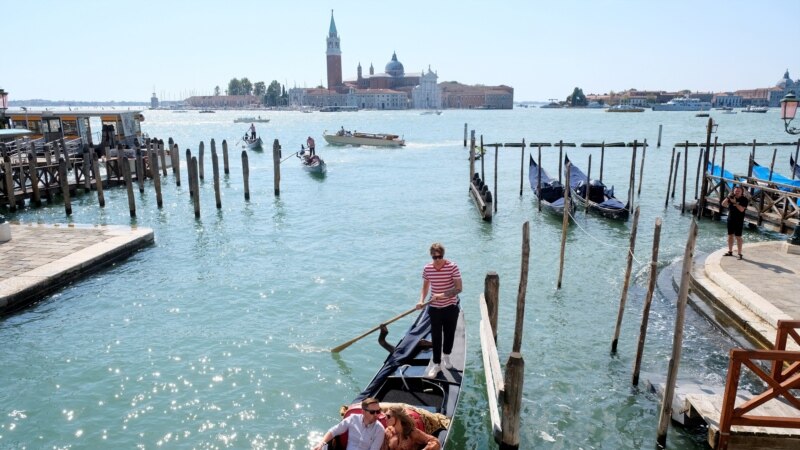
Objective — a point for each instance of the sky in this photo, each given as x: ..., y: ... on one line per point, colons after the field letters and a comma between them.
x: 108, y: 50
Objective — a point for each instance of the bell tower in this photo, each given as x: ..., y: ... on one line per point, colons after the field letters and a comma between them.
x: 334, y: 56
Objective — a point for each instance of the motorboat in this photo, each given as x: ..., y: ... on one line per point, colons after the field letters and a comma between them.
x: 258, y: 119
x: 430, y: 112
x: 683, y: 104
x: 625, y: 108
x: 755, y: 109
x: 345, y: 137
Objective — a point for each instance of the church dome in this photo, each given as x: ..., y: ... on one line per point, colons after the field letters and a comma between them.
x: 395, y: 67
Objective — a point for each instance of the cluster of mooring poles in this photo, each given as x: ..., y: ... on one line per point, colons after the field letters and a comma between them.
x: 26, y: 175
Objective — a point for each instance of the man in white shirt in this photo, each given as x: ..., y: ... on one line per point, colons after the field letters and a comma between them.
x: 364, y: 431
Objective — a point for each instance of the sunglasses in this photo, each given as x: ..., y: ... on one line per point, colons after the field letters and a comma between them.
x: 373, y: 411
x: 437, y: 256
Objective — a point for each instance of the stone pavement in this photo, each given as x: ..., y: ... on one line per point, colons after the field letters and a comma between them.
x: 754, y: 292
x: 41, y: 258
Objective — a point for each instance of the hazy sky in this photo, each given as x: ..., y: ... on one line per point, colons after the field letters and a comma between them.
x: 124, y: 50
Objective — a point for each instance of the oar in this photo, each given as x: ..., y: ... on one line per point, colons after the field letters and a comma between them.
x: 293, y: 154
x: 352, y: 341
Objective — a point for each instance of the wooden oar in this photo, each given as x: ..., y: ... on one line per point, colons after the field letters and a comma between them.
x: 352, y: 341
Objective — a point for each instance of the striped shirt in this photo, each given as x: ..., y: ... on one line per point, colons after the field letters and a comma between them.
x: 442, y: 280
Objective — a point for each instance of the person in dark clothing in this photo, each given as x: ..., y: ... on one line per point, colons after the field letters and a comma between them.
x: 737, y: 205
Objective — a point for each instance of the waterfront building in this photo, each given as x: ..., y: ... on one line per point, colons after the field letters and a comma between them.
x: 783, y: 87
x: 727, y: 100
x: 457, y: 95
x: 427, y: 94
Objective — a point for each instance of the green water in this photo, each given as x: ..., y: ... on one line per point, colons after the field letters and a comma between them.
x: 218, y: 336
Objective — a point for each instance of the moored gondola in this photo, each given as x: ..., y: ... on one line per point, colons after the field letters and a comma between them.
x: 431, y: 402
x: 795, y: 168
x: 600, y: 200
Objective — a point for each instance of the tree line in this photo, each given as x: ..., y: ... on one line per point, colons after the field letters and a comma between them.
x: 272, y: 95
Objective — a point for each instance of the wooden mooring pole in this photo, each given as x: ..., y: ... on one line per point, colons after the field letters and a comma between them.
x: 675, y: 173
x: 140, y: 170
x: 669, y: 177
x: 677, y: 340
x: 465, y: 137
x: 200, y: 158
x: 189, y: 172
x: 641, y: 169
x: 62, y: 175
x: 126, y: 174
x: 9, y: 182
x: 175, y: 154
x: 685, y: 170
x: 37, y: 199
x: 225, y: 166
x: 246, y: 175
x: 491, y: 293
x: 215, y: 171
x: 98, y: 181
x: 564, y: 226
x: 704, y: 182
x: 660, y: 127
x: 276, y: 165
x: 196, y: 183
x: 626, y: 282
x: 154, y: 169
x: 651, y: 285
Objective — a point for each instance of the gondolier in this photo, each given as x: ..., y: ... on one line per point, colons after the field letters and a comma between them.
x: 443, y: 279
x: 252, y: 131
x: 310, y: 144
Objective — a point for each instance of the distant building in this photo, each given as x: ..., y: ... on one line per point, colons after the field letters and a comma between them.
x: 462, y: 96
x: 783, y: 87
x: 154, y: 101
x: 726, y: 100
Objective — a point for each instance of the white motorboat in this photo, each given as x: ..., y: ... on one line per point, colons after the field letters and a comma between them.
x: 258, y: 119
x: 755, y: 109
x: 343, y: 137
x: 625, y: 108
x: 683, y: 104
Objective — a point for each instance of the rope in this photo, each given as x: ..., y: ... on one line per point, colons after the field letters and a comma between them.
x: 602, y: 242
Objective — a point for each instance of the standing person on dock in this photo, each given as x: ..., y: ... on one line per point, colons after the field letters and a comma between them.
x: 364, y: 432
x: 252, y: 131
x: 736, y: 204
x: 443, y: 279
x: 310, y: 144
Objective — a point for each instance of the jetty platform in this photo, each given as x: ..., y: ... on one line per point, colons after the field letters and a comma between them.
x: 747, y: 299
x: 42, y: 258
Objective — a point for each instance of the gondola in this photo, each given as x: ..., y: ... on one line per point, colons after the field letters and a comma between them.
x: 432, y: 402
x: 795, y: 168
x: 549, y: 191
x: 253, y: 144
x: 601, y: 199
x: 312, y: 163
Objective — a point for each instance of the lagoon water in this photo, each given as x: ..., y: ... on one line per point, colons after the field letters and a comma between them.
x: 218, y: 336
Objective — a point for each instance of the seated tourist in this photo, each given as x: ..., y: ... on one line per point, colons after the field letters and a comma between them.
x: 402, y: 433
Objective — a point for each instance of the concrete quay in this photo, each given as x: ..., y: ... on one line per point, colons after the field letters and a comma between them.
x: 42, y: 258
x: 749, y: 296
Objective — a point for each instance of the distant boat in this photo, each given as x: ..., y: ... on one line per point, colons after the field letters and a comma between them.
x: 683, y: 104
x: 701, y: 115
x: 343, y: 137
x: 207, y: 111
x: 258, y: 119
x: 595, y: 105
x: 553, y: 104
x: 430, y: 112
x: 755, y: 109
x: 179, y: 111
x: 339, y: 109
x: 625, y: 108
